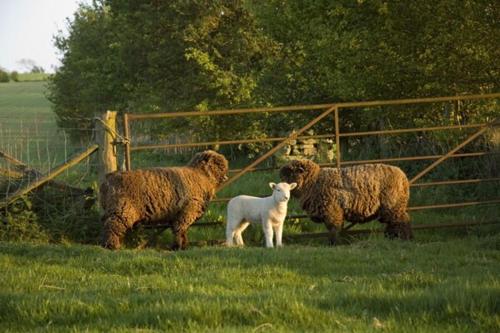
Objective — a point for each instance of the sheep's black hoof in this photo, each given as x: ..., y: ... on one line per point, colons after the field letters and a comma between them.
x: 174, y: 247
x: 405, y: 232
x: 401, y: 230
x: 177, y: 247
x: 333, y: 239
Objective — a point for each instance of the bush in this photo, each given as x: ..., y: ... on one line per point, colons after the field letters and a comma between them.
x: 51, y: 215
x: 4, y: 76
x: 14, y: 76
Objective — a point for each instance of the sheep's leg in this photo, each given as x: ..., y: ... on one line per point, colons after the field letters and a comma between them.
x: 398, y: 229
x: 180, y: 242
x: 113, y: 232
x: 398, y: 224
x: 333, y: 222
x: 278, y: 230
x: 268, y: 232
x: 189, y: 214
x: 238, y: 233
x: 333, y: 231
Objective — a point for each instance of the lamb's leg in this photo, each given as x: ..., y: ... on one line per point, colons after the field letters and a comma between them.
x: 230, y: 232
x: 113, y: 231
x: 239, y: 231
x: 278, y: 230
x: 268, y: 232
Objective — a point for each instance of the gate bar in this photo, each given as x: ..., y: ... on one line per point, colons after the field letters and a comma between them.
x: 416, y: 158
x: 337, y: 136
x: 126, y: 134
x: 395, y: 159
x: 367, y: 231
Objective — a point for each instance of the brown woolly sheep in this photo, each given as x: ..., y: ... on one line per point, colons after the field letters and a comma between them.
x: 175, y: 195
x: 357, y: 194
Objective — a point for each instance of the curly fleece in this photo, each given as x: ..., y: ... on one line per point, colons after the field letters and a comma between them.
x: 357, y: 194
x: 177, y: 195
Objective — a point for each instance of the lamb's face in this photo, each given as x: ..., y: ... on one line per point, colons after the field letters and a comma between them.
x: 214, y: 164
x: 281, y: 191
x: 300, y: 172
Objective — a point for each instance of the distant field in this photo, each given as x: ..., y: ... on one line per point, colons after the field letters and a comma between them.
x: 28, y: 128
x: 33, y: 76
x: 24, y: 99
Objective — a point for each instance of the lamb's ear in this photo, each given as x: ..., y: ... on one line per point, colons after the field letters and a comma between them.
x: 292, y: 186
x: 272, y: 185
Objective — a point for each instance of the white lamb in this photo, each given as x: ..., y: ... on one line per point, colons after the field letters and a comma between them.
x: 269, y: 211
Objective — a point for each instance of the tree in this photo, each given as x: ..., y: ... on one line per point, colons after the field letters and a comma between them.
x: 27, y: 64
x: 37, y: 69
x: 4, y: 76
x: 363, y: 50
x: 14, y: 76
x: 154, y: 55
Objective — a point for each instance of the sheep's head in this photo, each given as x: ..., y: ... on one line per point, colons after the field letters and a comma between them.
x: 281, y: 191
x: 301, y: 172
x: 213, y: 164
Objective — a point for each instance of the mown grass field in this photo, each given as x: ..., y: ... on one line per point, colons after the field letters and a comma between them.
x: 373, y: 285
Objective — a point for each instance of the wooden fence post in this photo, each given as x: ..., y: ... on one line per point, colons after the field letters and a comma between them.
x: 106, y: 134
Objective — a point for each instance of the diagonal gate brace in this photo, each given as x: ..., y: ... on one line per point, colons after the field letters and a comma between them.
x: 292, y: 136
x: 454, y: 150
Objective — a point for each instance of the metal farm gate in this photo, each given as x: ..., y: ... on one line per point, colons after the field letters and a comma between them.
x: 333, y: 113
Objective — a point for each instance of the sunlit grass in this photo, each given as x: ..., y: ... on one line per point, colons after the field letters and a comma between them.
x: 371, y: 285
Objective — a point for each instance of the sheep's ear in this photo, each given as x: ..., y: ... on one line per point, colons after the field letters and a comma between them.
x: 272, y: 185
x: 292, y: 186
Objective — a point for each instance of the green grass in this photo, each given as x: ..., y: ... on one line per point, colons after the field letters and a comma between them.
x: 24, y: 98
x: 370, y: 286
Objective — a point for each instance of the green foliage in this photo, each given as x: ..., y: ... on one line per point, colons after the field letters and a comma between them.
x: 14, y: 76
x: 374, y: 285
x: 364, y: 50
x: 4, y: 76
x: 151, y: 56
x: 51, y: 215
